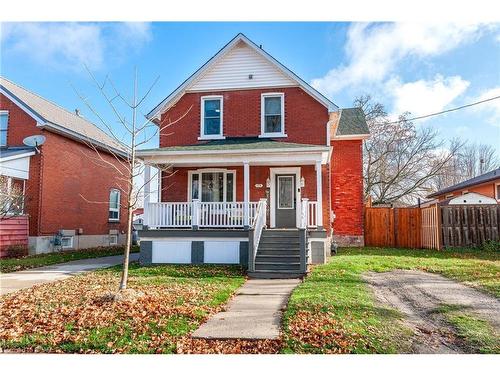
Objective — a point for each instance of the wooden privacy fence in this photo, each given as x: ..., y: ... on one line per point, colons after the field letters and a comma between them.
x: 433, y: 227
x: 393, y: 227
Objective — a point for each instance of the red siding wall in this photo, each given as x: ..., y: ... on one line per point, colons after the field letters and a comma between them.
x: 13, y: 232
x: 347, y: 187
x: 63, y: 178
x: 487, y: 189
x: 305, y: 118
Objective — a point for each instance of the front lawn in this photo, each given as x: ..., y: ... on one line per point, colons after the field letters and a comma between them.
x: 76, y: 316
x: 40, y: 260
x: 334, y: 311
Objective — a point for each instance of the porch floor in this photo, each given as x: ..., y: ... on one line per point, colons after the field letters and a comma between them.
x: 254, y: 313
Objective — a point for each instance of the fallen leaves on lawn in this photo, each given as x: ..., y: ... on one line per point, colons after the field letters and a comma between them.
x: 319, y: 332
x: 201, y: 346
x: 74, y: 315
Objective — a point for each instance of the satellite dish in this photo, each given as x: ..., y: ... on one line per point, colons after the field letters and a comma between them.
x: 34, y: 140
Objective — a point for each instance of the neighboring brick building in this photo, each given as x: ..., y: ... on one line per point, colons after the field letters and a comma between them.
x: 244, y: 133
x: 486, y: 185
x: 67, y: 188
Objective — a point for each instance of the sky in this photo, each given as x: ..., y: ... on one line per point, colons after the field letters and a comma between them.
x: 409, y: 67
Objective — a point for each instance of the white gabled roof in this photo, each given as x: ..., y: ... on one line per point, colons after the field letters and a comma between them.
x: 239, y: 53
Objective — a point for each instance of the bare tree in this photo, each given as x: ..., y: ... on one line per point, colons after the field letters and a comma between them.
x: 133, y: 130
x: 471, y: 160
x: 11, y: 198
x: 401, y: 161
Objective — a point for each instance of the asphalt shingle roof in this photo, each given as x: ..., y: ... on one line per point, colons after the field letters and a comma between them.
x: 352, y: 122
x: 54, y: 114
x: 489, y: 176
x: 239, y: 143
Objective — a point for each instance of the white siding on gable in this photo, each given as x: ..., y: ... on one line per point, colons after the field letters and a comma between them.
x: 233, y: 69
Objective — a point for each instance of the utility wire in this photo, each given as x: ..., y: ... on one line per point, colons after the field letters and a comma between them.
x: 446, y: 111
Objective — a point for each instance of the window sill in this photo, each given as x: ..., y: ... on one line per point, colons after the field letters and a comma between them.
x: 273, y: 135
x: 210, y: 137
x: 113, y: 221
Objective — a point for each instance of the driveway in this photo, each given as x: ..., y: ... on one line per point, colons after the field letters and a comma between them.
x: 14, y: 281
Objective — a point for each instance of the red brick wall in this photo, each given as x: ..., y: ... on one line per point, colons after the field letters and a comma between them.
x: 305, y: 118
x: 59, y: 177
x: 175, y: 186
x: 347, y: 187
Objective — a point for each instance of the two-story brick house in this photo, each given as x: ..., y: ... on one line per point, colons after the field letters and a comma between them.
x: 262, y: 169
x: 73, y: 198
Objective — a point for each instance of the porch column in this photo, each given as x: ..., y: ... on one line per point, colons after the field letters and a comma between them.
x: 147, y: 194
x: 319, y: 195
x: 246, y: 193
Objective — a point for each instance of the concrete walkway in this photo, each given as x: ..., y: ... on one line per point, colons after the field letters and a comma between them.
x: 254, y: 313
x: 11, y: 282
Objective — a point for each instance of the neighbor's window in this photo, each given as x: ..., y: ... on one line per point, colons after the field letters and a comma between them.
x: 114, y: 205
x: 497, y: 188
x: 113, y: 239
x: 214, y: 186
x: 272, y: 114
x: 4, y: 125
x: 211, y: 117
x: 67, y: 242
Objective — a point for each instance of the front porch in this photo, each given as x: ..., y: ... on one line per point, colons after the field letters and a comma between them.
x: 219, y: 200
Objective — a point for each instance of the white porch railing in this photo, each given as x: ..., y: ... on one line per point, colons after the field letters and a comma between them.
x: 199, y: 214
x: 258, y: 224
x: 309, y: 214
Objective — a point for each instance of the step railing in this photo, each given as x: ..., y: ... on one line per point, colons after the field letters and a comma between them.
x: 255, y: 233
x: 198, y: 214
x: 308, y: 213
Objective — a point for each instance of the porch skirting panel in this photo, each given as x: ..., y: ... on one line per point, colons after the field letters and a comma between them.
x: 206, y: 250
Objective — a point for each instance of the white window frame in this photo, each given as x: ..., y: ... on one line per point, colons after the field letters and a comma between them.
x: 263, y: 97
x: 211, y: 170
x: 204, y: 136
x: 4, y: 112
x: 497, y: 197
x: 111, y: 242
x: 70, y: 246
x: 114, y: 209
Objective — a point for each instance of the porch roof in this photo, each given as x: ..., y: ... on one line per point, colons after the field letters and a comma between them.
x: 237, y: 150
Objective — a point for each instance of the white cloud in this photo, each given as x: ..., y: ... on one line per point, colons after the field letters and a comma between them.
x: 423, y: 97
x: 374, y: 51
x: 492, y: 108
x: 70, y: 45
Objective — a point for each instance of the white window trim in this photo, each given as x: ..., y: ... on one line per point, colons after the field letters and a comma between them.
x: 70, y: 246
x: 5, y: 112
x: 497, y: 197
x: 115, y: 209
x: 212, y: 170
x: 263, y: 96
x: 113, y: 242
x: 203, y: 136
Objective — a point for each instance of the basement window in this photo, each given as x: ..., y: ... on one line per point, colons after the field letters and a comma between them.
x: 67, y: 242
x: 113, y: 239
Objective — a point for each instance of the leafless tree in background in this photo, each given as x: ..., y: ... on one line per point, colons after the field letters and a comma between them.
x: 11, y: 198
x: 470, y: 161
x: 401, y: 162
x: 133, y: 130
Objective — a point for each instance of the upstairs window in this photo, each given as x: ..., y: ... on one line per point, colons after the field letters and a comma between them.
x: 114, y: 205
x: 211, y: 117
x: 272, y: 115
x: 4, y: 125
